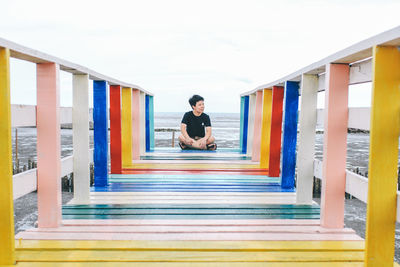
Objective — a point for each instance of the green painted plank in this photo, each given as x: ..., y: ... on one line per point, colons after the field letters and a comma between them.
x: 188, y: 217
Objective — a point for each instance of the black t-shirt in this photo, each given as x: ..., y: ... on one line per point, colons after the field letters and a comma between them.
x: 195, y: 125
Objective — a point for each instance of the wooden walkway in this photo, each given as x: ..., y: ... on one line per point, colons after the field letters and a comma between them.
x: 175, y: 214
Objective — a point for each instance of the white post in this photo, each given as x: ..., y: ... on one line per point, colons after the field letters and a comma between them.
x: 80, y: 126
x: 250, y: 132
x: 306, y: 150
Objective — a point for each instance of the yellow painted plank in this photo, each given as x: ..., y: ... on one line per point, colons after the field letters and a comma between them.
x: 383, y: 156
x: 188, y: 256
x: 126, y: 126
x: 192, y: 245
x: 7, y: 254
x: 192, y: 264
x: 266, y: 128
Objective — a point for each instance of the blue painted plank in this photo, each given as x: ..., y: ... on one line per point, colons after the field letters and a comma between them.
x: 147, y: 115
x: 276, y: 188
x: 290, y: 134
x: 241, y: 123
x: 100, y: 124
x: 245, y: 124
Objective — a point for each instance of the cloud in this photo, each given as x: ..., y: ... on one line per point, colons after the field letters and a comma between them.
x: 174, y: 48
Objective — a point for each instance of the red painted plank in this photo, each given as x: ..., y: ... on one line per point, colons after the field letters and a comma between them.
x: 115, y: 129
x: 276, y: 131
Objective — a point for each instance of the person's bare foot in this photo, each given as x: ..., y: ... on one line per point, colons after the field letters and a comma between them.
x: 212, y: 146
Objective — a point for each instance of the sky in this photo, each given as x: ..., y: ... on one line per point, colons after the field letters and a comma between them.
x: 174, y: 49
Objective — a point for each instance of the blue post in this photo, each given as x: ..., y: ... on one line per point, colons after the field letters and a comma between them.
x: 147, y: 106
x: 290, y: 134
x: 151, y: 127
x: 100, y: 121
x: 241, y: 123
x: 245, y: 124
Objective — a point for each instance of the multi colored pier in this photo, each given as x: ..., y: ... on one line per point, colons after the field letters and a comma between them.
x: 165, y: 207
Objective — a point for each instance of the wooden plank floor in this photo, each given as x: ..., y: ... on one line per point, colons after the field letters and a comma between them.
x: 220, y: 211
x: 189, y: 253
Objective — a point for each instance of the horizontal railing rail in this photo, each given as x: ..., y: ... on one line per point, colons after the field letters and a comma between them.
x: 356, y: 185
x: 358, y: 56
x: 26, y: 182
x: 28, y: 54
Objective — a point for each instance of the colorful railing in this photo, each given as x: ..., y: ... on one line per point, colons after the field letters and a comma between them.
x: 375, y: 60
x: 137, y: 106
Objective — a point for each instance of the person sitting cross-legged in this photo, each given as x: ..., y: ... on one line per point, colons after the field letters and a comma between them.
x: 196, y: 127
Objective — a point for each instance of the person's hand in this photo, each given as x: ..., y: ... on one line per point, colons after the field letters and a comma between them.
x: 202, y: 143
x: 190, y: 141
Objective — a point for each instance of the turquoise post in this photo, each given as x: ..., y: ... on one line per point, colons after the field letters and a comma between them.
x: 151, y: 117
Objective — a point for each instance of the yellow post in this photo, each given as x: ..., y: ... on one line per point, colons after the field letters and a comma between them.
x: 383, y: 156
x: 7, y: 246
x: 266, y: 128
x: 126, y: 127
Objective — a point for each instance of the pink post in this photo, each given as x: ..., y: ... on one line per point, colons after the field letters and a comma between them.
x: 257, y: 127
x: 135, y: 124
x: 335, y: 138
x: 48, y: 145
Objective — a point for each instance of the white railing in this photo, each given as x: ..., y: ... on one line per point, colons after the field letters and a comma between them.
x: 356, y: 185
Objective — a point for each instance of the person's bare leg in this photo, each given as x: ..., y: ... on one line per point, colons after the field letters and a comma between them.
x: 182, y: 139
x: 211, y: 140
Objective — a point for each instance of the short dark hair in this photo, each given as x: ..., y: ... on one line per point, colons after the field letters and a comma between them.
x: 194, y: 99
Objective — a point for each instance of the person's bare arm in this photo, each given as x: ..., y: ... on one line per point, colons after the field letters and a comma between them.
x: 185, y: 134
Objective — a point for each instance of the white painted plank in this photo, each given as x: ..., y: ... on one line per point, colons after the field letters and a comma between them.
x: 24, y: 183
x: 142, y: 119
x: 306, y: 146
x: 65, y: 115
x: 356, y: 185
x: 80, y: 122
x: 23, y: 116
x: 360, y: 72
x: 250, y: 132
x: 359, y: 118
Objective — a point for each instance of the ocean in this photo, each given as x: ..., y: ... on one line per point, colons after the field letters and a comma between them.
x: 225, y: 127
